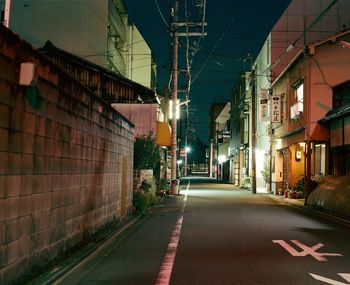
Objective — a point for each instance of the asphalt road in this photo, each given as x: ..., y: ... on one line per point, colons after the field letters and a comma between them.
x: 222, y: 235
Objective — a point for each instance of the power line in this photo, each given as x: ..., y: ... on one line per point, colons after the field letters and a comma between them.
x: 161, y: 14
x: 215, y: 47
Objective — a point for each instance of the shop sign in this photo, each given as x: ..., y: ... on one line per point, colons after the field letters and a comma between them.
x: 263, y: 105
x: 275, y: 109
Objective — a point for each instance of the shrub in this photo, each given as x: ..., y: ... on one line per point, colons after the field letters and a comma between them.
x: 300, y: 185
x: 146, y: 197
x: 163, y: 187
x: 146, y: 152
x: 141, y: 202
x: 266, y: 171
x: 246, y: 182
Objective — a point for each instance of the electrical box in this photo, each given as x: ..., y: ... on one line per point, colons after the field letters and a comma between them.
x: 27, y: 73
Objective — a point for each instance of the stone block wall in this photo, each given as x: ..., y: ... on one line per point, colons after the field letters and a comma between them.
x: 332, y: 194
x: 66, y: 167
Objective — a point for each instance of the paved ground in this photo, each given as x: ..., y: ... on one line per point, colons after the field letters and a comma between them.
x: 222, y: 235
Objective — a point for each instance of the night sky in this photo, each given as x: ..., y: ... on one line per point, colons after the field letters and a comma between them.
x: 236, y: 31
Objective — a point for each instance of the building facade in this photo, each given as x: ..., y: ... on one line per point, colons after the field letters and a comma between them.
x: 141, y: 66
x: 215, y: 110
x: 304, y: 22
x: 223, y: 142
x: 239, y: 131
x: 98, y: 31
x: 312, y: 137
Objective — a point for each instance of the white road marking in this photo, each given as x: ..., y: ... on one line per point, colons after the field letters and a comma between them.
x: 166, y: 268
x: 306, y: 250
x: 345, y: 276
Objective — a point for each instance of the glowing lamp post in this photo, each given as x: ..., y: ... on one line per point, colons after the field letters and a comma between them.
x: 221, y: 160
x: 178, y: 162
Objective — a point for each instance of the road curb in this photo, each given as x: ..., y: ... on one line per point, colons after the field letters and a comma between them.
x: 330, y: 216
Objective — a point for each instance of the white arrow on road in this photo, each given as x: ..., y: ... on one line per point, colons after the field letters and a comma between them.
x: 345, y: 276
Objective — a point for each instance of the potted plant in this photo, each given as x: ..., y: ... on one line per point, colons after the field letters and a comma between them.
x: 299, y: 188
x: 163, y: 187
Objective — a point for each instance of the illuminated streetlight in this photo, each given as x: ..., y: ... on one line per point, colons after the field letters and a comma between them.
x: 221, y: 159
x: 178, y: 162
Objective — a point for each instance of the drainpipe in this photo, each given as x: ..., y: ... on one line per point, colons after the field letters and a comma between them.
x: 308, y: 170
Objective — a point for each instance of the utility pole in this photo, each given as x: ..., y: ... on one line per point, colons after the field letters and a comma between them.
x: 7, y: 13
x: 186, y: 142
x: 174, y: 27
x: 166, y: 120
x: 253, y: 132
x: 174, y: 82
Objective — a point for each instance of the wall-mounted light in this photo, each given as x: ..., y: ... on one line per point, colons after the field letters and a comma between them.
x: 278, y: 143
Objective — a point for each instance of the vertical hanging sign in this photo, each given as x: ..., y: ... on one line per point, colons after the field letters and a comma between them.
x: 263, y: 105
x: 275, y: 109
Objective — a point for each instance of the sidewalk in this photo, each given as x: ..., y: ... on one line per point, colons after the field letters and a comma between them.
x: 52, y: 274
x: 281, y: 198
x: 301, y: 204
x: 115, y: 237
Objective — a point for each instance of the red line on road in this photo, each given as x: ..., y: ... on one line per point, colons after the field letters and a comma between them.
x: 166, y: 268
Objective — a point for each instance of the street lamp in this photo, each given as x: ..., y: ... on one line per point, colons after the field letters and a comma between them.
x: 178, y: 162
x: 221, y: 160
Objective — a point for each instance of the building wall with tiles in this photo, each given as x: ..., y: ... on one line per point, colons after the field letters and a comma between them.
x: 66, y: 162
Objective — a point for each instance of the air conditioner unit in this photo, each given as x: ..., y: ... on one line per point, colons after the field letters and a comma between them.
x: 296, y: 110
x: 27, y: 73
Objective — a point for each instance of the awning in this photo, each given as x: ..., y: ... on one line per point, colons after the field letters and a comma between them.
x: 163, y: 133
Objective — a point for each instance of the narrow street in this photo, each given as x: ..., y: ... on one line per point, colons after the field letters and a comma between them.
x: 226, y: 236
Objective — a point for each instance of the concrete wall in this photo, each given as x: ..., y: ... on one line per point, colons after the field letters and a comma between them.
x: 38, y: 21
x: 140, y: 58
x: 93, y: 29
x: 299, y: 15
x: 65, y: 168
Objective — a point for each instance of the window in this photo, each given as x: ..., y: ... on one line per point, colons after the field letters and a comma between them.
x: 341, y: 95
x: 298, y: 107
x: 320, y: 159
